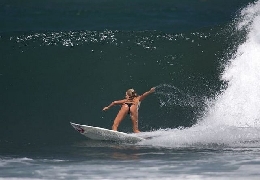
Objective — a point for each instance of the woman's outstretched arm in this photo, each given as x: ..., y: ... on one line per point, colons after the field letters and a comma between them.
x: 114, y: 103
x: 147, y: 93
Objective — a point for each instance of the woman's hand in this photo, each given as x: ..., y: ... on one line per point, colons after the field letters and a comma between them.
x: 152, y: 89
x: 105, y: 108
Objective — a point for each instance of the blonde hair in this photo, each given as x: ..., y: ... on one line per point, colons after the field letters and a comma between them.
x: 131, y: 93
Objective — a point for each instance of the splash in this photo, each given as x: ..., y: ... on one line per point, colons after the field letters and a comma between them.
x: 239, y: 104
x: 201, y: 137
x: 170, y: 95
x: 233, y: 117
x: 68, y: 39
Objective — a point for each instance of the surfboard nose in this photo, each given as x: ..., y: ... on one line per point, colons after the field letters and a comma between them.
x: 77, y: 127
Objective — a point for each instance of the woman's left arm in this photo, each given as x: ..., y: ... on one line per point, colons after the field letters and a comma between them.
x: 147, y: 93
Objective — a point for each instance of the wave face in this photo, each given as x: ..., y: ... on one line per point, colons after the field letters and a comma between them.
x: 238, y: 105
x: 232, y: 117
x: 63, y: 63
x: 164, y: 15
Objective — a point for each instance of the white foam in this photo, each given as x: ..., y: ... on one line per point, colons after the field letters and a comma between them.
x: 7, y: 161
x: 239, y: 104
x: 204, y: 137
x: 233, y: 117
x: 239, y: 168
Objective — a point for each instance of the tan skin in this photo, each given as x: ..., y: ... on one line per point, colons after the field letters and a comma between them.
x: 134, y: 100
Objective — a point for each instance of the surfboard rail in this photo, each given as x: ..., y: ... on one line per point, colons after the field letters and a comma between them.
x: 98, y: 133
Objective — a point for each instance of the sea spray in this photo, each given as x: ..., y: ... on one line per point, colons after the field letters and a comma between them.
x: 239, y: 104
x: 170, y: 95
x: 232, y: 119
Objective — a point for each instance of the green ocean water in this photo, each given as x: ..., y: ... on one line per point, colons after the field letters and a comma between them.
x: 63, y: 61
x: 57, y: 67
x: 50, y: 79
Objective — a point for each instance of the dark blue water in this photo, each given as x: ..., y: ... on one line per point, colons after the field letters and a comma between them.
x: 63, y: 61
x: 165, y: 15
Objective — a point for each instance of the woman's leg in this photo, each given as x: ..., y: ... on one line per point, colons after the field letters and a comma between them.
x: 134, y: 118
x: 120, y: 116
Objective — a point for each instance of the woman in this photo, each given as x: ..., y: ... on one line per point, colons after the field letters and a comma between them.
x: 130, y: 105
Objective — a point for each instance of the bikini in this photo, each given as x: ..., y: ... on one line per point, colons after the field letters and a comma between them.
x: 129, y: 104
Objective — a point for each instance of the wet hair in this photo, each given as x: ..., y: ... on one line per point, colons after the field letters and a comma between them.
x: 131, y: 93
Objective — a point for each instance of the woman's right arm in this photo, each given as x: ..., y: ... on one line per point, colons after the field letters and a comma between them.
x: 114, y: 103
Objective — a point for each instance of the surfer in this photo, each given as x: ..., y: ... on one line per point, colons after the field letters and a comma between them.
x: 130, y: 105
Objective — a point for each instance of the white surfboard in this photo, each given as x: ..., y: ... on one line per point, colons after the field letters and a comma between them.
x: 97, y: 133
